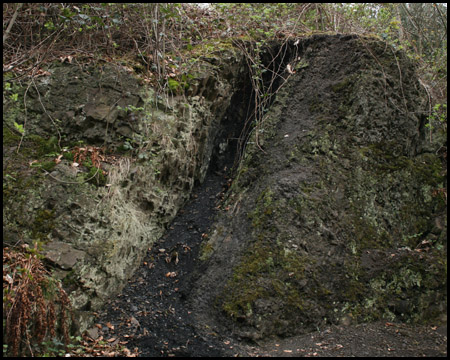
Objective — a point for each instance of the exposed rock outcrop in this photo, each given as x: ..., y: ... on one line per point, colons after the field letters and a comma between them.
x: 95, y: 225
x: 332, y: 216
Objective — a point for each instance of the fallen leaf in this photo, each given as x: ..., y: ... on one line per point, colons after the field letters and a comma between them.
x: 289, y: 69
x: 109, y: 325
x: 8, y: 278
x: 134, y: 322
x: 111, y: 340
x: 58, y: 159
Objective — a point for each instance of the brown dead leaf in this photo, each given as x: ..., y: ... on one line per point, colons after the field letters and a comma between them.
x: 289, y: 69
x: 134, y: 322
x: 8, y: 279
x: 109, y: 325
x: 58, y: 159
x: 111, y: 340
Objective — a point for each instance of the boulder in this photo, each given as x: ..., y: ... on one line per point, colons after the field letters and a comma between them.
x: 332, y: 214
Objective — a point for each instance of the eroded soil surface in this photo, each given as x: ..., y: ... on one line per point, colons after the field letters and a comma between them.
x: 153, y: 315
x: 152, y: 311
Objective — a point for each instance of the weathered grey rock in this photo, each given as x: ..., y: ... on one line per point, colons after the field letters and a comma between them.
x: 62, y: 254
x: 98, y: 231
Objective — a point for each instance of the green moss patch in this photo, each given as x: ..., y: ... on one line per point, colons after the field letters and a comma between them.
x: 266, y: 285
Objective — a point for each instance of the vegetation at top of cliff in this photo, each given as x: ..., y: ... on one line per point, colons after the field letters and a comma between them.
x: 159, y: 38
x: 162, y: 42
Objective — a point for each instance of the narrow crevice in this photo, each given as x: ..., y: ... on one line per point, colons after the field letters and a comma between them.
x: 157, y: 296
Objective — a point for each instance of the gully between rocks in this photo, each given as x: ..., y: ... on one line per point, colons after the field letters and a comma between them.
x: 152, y: 311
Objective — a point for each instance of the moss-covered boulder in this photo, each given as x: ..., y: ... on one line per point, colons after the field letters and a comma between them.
x: 334, y: 215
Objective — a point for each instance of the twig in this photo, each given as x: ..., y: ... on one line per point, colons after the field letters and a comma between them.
x: 11, y: 23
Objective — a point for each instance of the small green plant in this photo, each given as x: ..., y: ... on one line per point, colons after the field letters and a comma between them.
x: 438, y: 116
x: 130, y: 108
x: 19, y: 128
x: 177, y: 86
x: 437, y: 119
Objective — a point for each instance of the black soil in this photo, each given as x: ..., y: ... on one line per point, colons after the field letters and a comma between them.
x: 152, y: 312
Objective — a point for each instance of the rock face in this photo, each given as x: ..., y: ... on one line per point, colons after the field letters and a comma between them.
x: 332, y: 216
x: 95, y: 225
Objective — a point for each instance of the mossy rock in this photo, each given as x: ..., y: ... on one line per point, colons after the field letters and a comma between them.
x: 338, y: 178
